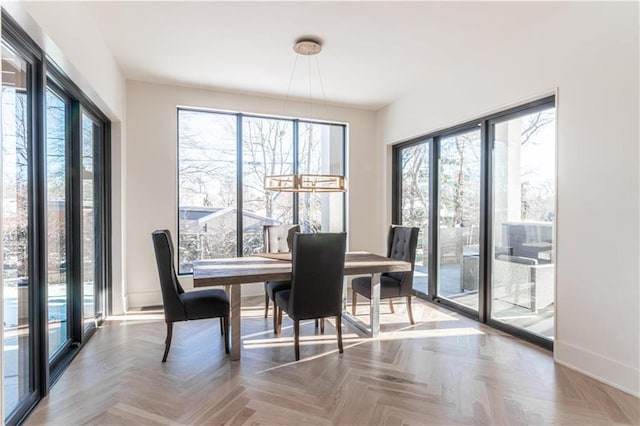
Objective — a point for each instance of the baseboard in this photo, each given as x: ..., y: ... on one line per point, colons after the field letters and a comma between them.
x: 146, y: 298
x: 154, y: 298
x: 611, y: 372
x: 251, y: 290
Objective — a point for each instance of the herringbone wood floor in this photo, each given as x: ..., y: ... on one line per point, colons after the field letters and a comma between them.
x: 444, y: 370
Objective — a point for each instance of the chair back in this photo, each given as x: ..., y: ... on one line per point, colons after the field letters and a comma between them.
x: 279, y: 238
x: 317, y: 275
x: 402, y: 243
x: 169, y: 284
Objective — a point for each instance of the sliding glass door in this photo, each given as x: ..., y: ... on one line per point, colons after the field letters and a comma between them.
x: 414, y: 204
x: 459, y: 217
x: 483, y: 195
x: 57, y: 163
x: 17, y: 218
x: 55, y: 258
x: 523, y: 211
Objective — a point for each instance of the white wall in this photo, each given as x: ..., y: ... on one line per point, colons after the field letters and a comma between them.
x: 151, y: 167
x: 82, y: 53
x: 589, y: 52
x: 67, y: 32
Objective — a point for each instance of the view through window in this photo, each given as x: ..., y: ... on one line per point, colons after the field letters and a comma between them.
x: 56, y: 168
x: 222, y: 161
x: 414, y: 201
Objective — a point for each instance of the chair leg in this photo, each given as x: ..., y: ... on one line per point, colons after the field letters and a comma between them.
x: 167, y: 341
x: 226, y: 333
x: 391, y: 306
x: 221, y: 327
x: 409, y: 310
x: 339, y: 330
x: 279, y: 321
x: 322, y: 325
x: 296, y: 333
x: 316, y: 322
x: 266, y: 305
x: 275, y: 318
x: 354, y: 302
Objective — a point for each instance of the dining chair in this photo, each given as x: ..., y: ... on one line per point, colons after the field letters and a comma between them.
x: 277, y: 239
x: 316, y: 282
x: 184, y: 306
x: 401, y: 244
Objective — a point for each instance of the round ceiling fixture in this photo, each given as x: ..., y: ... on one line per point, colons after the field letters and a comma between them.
x: 307, y: 47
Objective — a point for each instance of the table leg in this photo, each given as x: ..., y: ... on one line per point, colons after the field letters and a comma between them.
x: 235, y: 323
x: 374, y: 312
x: 373, y: 328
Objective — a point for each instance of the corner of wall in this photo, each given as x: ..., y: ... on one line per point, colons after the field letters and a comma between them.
x: 118, y: 219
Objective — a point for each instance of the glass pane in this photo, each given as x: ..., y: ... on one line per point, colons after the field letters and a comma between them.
x: 15, y: 227
x: 459, y: 218
x: 523, y: 269
x: 321, y: 151
x: 414, y: 202
x: 207, y: 162
x: 267, y: 150
x: 89, y: 134
x: 56, y: 164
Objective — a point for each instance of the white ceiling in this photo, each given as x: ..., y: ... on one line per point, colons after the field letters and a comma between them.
x: 373, y: 52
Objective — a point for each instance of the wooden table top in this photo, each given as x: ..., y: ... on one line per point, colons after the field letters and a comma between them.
x: 277, y: 267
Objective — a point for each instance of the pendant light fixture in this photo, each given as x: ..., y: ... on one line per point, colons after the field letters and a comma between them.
x: 305, y: 182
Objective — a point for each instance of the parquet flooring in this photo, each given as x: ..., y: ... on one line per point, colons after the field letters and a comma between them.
x: 445, y: 370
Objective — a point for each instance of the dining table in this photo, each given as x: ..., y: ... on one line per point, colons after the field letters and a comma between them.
x: 235, y: 272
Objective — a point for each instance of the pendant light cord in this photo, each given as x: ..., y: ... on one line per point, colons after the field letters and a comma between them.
x: 310, y: 98
x: 324, y: 96
x: 293, y: 70
x: 307, y: 48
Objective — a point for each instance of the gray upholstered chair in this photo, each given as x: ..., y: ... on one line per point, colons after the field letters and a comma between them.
x: 401, y: 244
x: 316, y: 282
x: 277, y: 239
x: 183, y: 306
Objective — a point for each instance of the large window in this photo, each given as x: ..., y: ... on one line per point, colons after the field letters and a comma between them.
x: 54, y: 227
x: 483, y: 195
x: 222, y: 161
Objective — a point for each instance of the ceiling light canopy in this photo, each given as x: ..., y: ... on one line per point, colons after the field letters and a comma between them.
x: 307, y: 47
